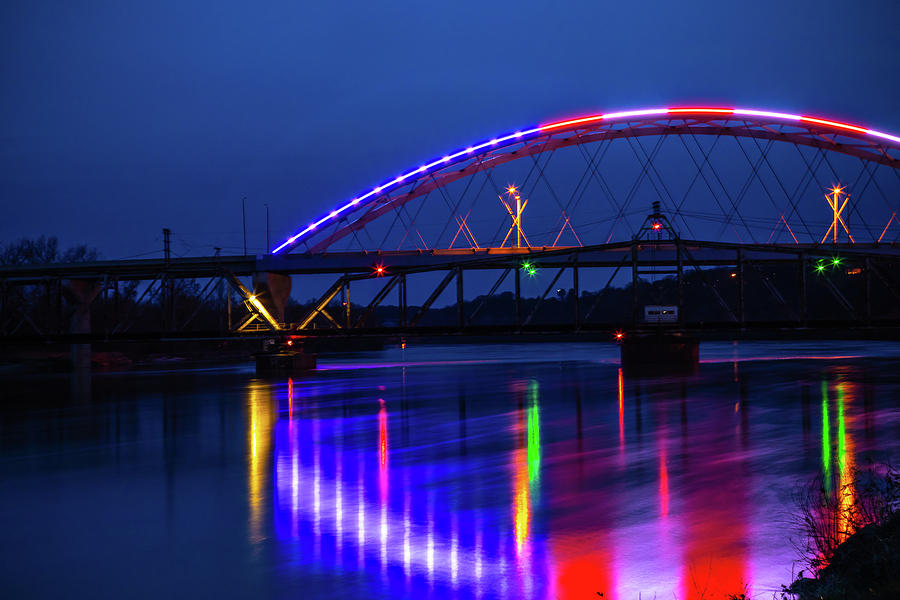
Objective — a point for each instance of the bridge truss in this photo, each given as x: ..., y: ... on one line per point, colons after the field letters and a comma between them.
x: 736, y: 175
x: 715, y: 202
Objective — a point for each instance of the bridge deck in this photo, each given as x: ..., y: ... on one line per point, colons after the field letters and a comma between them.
x: 605, y: 255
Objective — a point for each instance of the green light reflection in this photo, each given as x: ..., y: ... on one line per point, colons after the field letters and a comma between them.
x: 534, y: 434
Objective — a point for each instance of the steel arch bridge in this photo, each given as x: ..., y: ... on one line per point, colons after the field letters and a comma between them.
x: 733, y: 198
x: 742, y: 218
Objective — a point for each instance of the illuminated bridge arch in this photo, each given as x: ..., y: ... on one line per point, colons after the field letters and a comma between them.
x: 790, y: 207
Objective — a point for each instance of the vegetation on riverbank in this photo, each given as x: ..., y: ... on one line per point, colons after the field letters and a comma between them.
x: 851, y: 538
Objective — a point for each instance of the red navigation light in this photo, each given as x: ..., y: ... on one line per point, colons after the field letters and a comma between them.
x: 733, y: 274
x: 380, y: 270
x: 620, y: 336
x: 657, y: 225
x: 290, y: 342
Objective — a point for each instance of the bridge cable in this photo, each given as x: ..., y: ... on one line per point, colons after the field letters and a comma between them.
x: 798, y: 193
x: 631, y: 192
x: 593, y: 166
x: 735, y: 205
x: 780, y: 183
x: 541, y: 176
x: 765, y: 159
x: 414, y: 219
x: 659, y: 177
x: 709, y: 186
x: 747, y: 183
x: 648, y: 169
x: 604, y: 184
x: 587, y: 174
x: 454, y: 210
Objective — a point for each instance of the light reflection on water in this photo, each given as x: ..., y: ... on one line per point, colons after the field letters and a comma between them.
x: 443, y: 529
x: 543, y: 473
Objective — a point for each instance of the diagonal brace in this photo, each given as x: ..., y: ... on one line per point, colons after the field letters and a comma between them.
x: 434, y: 296
x: 319, y: 306
x: 377, y: 299
x: 544, y: 295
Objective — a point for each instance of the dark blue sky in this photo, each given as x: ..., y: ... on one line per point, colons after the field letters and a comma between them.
x: 120, y: 118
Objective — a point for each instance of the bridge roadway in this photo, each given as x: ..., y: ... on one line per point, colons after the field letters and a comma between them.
x: 648, y: 253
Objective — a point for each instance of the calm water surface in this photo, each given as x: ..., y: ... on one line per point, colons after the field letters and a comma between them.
x: 527, y: 471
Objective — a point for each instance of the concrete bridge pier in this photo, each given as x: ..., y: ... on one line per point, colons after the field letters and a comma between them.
x: 653, y: 354
x: 273, y: 290
x: 80, y: 293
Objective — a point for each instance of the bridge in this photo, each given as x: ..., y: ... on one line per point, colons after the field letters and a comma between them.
x: 727, y: 202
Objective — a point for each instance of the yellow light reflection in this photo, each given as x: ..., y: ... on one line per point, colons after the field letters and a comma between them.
x: 526, y: 467
x: 845, y: 465
x: 621, y: 413
x: 260, y: 420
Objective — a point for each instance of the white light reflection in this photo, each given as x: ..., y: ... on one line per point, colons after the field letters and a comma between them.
x: 454, y: 550
x: 384, y: 530
x: 317, y: 478
x: 478, y: 552
x: 429, y: 549
x: 406, y: 527
x: 339, y: 492
x: 361, y: 516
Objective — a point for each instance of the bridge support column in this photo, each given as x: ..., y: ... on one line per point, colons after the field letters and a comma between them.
x: 635, y: 309
x: 402, y: 300
x: 740, y: 278
x: 804, y: 316
x: 80, y: 293
x: 576, y: 290
x: 59, y: 306
x: 273, y: 291
x: 228, y: 325
x: 346, y: 302
x: 867, y: 273
x: 680, y: 274
x: 518, y: 296
x: 460, y: 317
x: 116, y: 299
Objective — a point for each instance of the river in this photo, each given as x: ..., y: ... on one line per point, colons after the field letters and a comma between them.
x: 494, y: 471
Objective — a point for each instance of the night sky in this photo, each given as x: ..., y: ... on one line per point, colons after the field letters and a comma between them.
x: 121, y: 118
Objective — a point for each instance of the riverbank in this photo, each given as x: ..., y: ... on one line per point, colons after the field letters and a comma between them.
x: 865, y: 566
